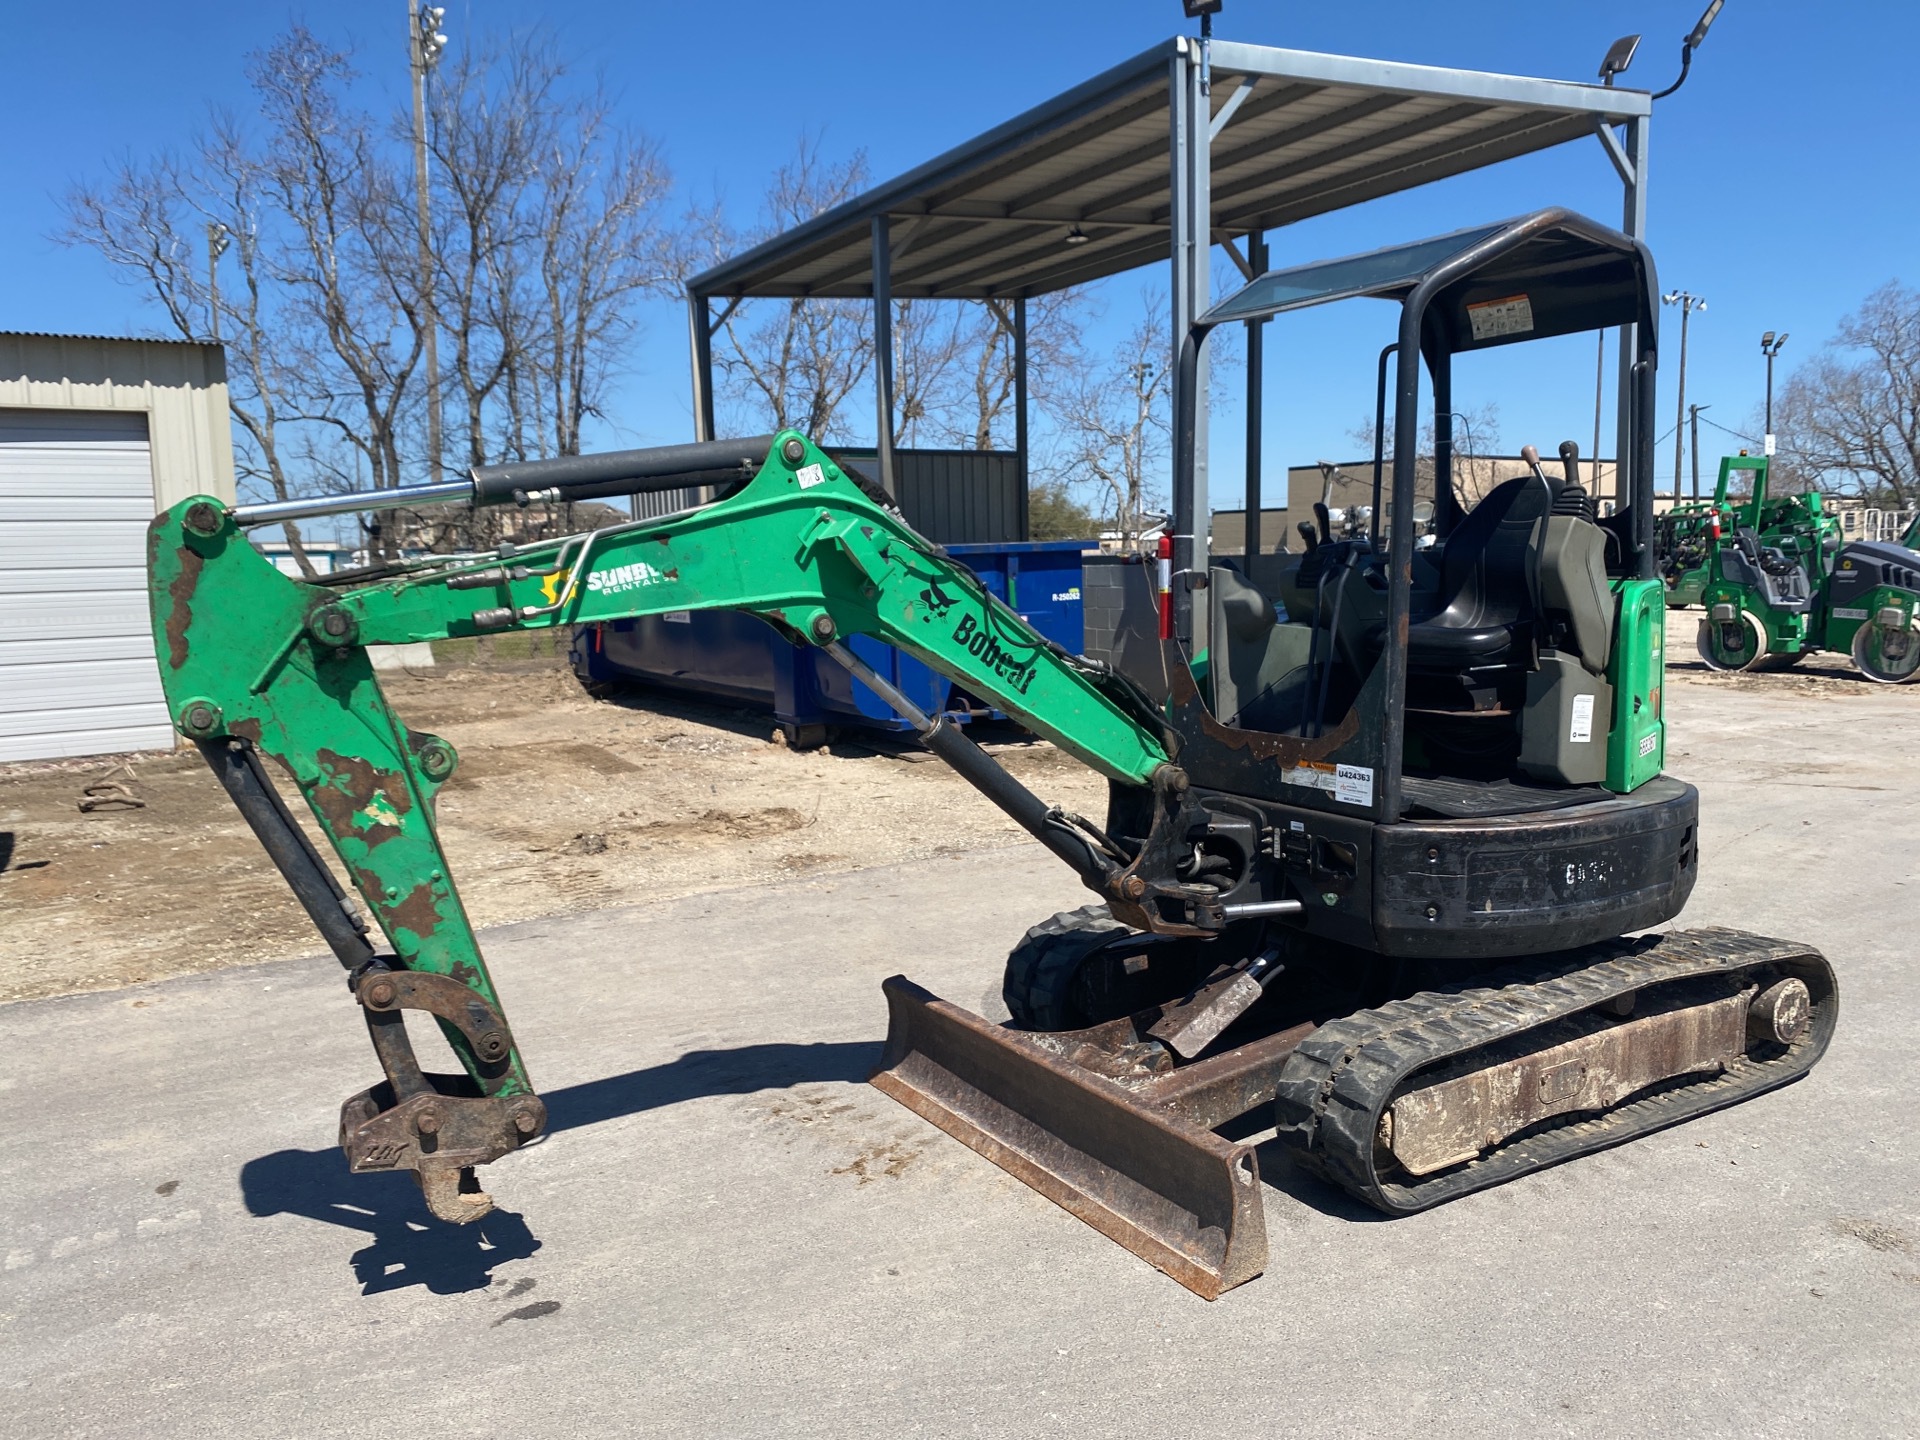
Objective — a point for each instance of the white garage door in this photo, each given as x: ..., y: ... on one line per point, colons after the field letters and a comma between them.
x: 77, y: 673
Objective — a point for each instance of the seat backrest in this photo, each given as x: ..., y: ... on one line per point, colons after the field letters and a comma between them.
x: 1250, y: 653
x: 1490, y: 566
x: 1240, y: 608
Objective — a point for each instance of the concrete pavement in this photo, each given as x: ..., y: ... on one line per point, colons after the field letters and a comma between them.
x: 729, y: 1234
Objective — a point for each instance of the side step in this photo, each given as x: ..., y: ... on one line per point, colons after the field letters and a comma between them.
x: 1087, y: 1119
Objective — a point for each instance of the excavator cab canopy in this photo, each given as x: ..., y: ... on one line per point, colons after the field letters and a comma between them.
x: 1550, y: 273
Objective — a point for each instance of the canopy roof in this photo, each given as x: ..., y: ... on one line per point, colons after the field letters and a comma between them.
x: 1296, y: 134
x: 1553, y: 272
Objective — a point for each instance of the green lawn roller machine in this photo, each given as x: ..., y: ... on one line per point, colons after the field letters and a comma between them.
x: 1686, y: 536
x: 1780, y: 585
x: 1379, y: 877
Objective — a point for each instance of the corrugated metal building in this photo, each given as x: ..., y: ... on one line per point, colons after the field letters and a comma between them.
x: 96, y: 436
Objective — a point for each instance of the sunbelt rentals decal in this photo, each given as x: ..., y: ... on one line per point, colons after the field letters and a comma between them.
x: 622, y: 578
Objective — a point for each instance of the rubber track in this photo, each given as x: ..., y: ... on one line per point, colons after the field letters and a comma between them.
x: 1041, y: 964
x: 1336, y: 1085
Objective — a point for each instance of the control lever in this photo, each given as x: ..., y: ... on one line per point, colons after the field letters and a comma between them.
x: 1570, y: 461
x: 1322, y: 509
x: 1306, y: 534
x: 1531, y: 454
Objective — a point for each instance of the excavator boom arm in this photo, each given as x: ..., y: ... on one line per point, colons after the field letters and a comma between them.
x: 258, y: 666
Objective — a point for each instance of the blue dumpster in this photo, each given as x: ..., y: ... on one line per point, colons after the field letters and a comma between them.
x: 726, y: 655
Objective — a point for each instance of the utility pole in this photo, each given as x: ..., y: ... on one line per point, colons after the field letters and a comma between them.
x: 1693, y: 422
x: 424, y: 44
x: 218, y: 239
x: 1688, y: 303
x: 1770, y: 346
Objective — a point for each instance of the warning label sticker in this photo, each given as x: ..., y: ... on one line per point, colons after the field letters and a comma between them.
x: 1313, y: 774
x: 1349, y: 784
x: 1491, y: 319
x: 812, y: 475
x: 1582, y: 731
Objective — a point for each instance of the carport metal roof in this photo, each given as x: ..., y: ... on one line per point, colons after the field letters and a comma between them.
x: 1293, y: 134
x: 1191, y: 144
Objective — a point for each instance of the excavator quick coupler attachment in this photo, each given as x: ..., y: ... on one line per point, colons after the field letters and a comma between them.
x: 438, y: 1126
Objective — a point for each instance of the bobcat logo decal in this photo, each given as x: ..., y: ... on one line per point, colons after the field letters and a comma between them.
x: 937, y: 601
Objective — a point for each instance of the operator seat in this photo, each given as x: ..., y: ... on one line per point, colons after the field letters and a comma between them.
x: 1490, y: 582
x: 1781, y: 580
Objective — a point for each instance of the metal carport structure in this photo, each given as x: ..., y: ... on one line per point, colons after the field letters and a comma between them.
x: 1189, y: 144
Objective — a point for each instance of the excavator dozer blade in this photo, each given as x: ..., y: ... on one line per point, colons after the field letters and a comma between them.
x: 1129, y: 1158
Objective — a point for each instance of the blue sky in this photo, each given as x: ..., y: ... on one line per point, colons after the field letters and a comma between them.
x: 1782, y: 175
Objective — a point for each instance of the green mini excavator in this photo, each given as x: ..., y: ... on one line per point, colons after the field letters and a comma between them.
x: 1382, y: 877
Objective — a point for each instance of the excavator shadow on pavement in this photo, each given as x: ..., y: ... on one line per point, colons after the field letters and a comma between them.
x: 409, y: 1247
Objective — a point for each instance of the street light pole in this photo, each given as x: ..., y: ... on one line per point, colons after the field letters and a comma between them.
x: 424, y: 44
x: 1688, y: 303
x: 218, y: 238
x: 1770, y: 346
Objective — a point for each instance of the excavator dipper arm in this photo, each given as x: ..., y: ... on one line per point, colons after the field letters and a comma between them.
x: 258, y: 667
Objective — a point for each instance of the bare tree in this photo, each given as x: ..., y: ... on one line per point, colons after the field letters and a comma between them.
x: 154, y: 223
x: 932, y: 342
x: 1112, y: 425
x: 347, y: 262
x: 547, y: 227
x: 794, y: 361
x: 550, y: 228
x: 977, y: 412
x: 1849, y: 419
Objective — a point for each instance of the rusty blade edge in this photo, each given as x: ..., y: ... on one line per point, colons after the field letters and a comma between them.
x: 921, y: 1027
x: 1208, y: 1284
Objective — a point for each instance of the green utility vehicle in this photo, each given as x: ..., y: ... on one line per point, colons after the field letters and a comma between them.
x: 1385, y: 875
x: 1781, y: 585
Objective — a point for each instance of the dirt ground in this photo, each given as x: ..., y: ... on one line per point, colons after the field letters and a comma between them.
x: 561, y: 803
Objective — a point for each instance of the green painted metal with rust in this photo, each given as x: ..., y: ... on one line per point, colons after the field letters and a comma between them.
x: 246, y: 651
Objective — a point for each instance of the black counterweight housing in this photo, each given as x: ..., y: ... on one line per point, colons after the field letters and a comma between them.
x: 1460, y: 885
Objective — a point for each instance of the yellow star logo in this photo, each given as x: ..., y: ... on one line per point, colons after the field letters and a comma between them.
x: 552, y: 585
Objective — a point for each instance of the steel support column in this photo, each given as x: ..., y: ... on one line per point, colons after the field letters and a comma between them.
x: 1020, y: 412
x: 1256, y: 356
x: 700, y: 333
x: 1634, y: 222
x: 883, y: 351
x: 1191, y: 226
